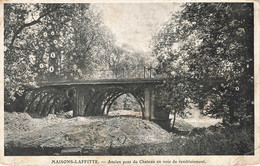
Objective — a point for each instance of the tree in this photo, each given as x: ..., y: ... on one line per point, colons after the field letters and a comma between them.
x: 56, y: 42
x: 125, y: 62
x: 208, y: 48
x: 22, y: 25
x: 48, y: 42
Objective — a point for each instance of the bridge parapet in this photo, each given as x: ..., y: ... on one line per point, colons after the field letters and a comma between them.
x: 104, y: 82
x: 111, y: 74
x: 129, y: 73
x: 123, y: 73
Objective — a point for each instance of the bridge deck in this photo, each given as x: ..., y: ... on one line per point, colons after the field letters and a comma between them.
x: 105, y: 82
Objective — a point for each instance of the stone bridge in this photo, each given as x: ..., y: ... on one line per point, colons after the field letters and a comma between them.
x: 95, y: 97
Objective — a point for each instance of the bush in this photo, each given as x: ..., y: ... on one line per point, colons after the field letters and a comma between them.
x: 233, y: 140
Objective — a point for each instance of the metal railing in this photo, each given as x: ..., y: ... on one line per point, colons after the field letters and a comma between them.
x: 125, y: 73
x: 115, y: 73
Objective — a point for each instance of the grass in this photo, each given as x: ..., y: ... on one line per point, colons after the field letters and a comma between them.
x: 232, y: 140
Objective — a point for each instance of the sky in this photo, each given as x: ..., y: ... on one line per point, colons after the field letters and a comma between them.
x: 133, y: 23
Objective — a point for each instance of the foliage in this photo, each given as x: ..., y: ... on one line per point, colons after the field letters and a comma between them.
x: 57, y: 42
x: 231, y: 141
x: 206, y: 50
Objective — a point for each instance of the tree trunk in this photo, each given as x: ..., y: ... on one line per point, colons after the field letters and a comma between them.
x: 174, y: 119
x: 231, y: 113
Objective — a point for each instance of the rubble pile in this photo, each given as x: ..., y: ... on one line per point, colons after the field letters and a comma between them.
x: 89, y: 133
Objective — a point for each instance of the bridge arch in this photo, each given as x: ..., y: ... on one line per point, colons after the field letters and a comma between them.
x: 111, y: 100
x: 99, y: 100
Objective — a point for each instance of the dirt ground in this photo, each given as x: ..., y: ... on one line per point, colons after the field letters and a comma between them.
x: 89, y: 132
x: 96, y: 135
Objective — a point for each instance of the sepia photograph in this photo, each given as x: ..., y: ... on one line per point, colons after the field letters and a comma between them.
x: 129, y: 79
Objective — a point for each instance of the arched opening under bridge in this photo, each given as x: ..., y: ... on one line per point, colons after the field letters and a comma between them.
x: 99, y: 100
x: 125, y: 105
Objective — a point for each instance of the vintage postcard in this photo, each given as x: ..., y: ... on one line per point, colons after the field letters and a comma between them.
x: 129, y: 82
